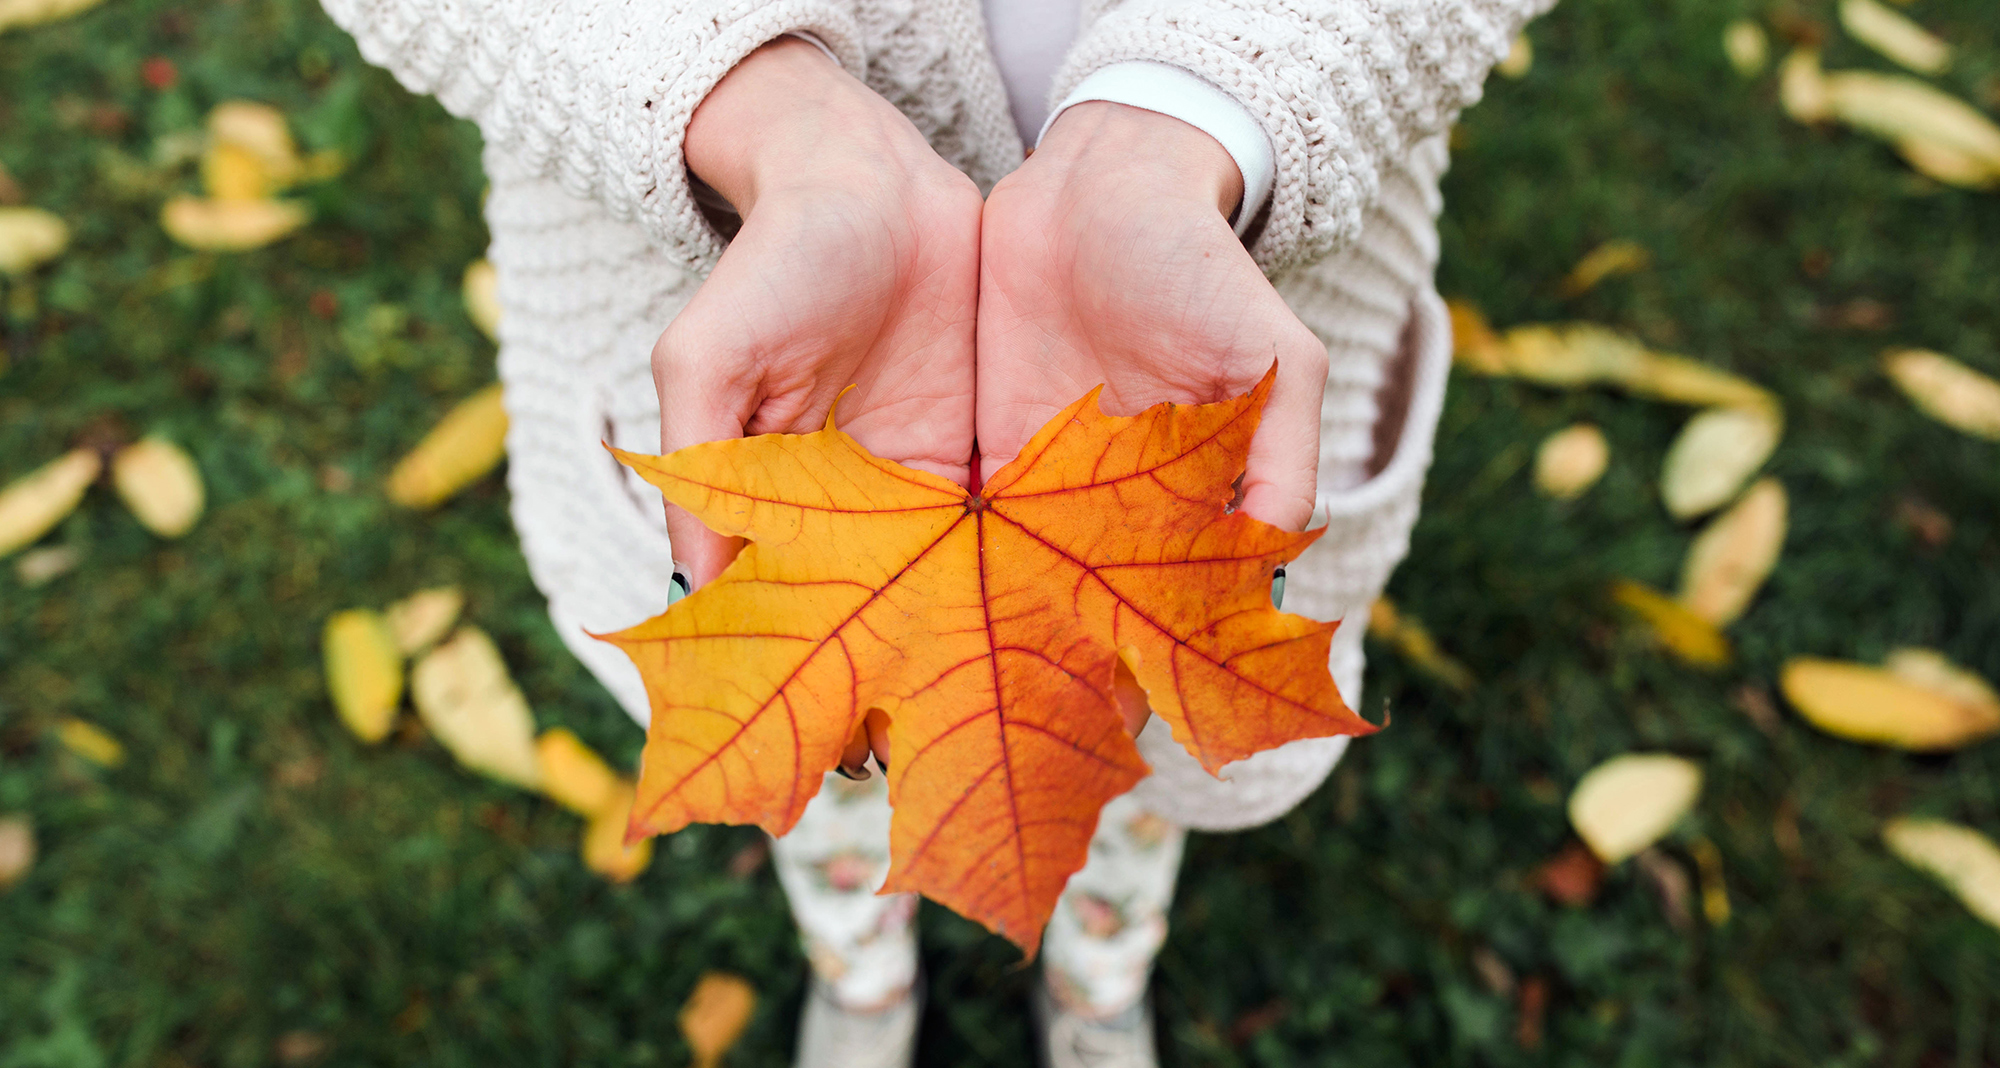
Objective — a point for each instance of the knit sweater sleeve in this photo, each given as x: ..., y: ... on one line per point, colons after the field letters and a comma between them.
x: 594, y: 93
x: 1345, y: 88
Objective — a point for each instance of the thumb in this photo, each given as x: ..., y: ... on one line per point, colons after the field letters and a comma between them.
x: 1281, y: 475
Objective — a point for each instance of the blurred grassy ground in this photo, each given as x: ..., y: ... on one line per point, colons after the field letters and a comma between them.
x: 253, y: 887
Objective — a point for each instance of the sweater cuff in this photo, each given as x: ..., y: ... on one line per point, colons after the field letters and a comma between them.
x: 1174, y: 92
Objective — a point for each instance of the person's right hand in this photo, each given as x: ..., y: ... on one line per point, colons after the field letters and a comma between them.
x: 857, y: 264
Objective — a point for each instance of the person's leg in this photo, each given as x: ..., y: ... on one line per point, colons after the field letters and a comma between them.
x: 861, y: 1012
x: 1098, y: 950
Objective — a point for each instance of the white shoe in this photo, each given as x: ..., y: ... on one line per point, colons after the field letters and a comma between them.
x: 1124, y: 1040
x: 832, y: 1036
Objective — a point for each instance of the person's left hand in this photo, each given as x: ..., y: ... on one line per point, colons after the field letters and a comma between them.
x: 1107, y: 258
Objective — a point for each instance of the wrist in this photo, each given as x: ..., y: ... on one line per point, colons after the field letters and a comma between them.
x: 1098, y: 144
x: 789, y: 118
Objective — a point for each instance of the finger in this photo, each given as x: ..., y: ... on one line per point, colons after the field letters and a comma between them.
x: 1133, y: 707
x: 695, y: 409
x: 877, y: 725
x: 853, y: 759
x: 1281, y: 475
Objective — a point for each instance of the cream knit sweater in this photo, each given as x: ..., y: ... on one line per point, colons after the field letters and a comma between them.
x: 598, y: 243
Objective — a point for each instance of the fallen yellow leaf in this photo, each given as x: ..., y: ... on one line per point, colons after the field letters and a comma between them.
x: 575, y: 777
x: 90, y: 742
x: 465, y: 696
x: 229, y: 225
x: 423, y: 618
x: 1747, y: 47
x: 1802, y: 86
x: 1519, y: 59
x: 467, y: 443
x: 33, y: 504
x: 1935, y: 672
x: 482, y: 298
x: 1946, y: 164
x: 29, y: 237
x: 1570, y: 461
x: 17, y: 13
x: 1895, y: 36
x: 232, y: 172
x: 1410, y: 638
x: 1664, y: 376
x: 1714, y: 888
x: 1732, y: 557
x: 364, y: 672
x: 1965, y: 861
x: 1605, y: 261
x: 715, y: 1015
x: 1870, y: 704
x: 1628, y: 802
x: 17, y: 849
x: 1692, y: 639
x: 605, y: 849
x: 1899, y: 108
x: 1946, y: 390
x: 260, y: 131
x: 160, y: 484
x: 1474, y: 344
x: 1714, y: 455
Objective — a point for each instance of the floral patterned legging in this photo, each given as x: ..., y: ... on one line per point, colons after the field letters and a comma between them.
x: 1097, y: 952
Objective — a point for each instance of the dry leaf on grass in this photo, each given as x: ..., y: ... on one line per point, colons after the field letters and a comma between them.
x: 422, y: 619
x: 1864, y: 703
x: 260, y: 132
x: 607, y: 849
x: 1732, y: 557
x: 1715, y: 453
x: 20, y: 13
x: 1570, y: 461
x: 988, y: 627
x: 90, y: 741
x: 1690, y: 638
x: 17, y: 849
x: 38, y: 567
x: 1965, y: 861
x: 31, y: 506
x: 159, y: 482
x: 1628, y: 802
x: 229, y: 225
x: 1935, y: 672
x: 1567, y: 355
x: 1608, y: 260
x: 1520, y: 58
x: 1714, y: 887
x: 29, y: 237
x: 575, y: 777
x: 715, y: 1015
x: 1409, y: 637
x: 364, y: 672
x: 1946, y: 390
x: 467, y: 443
x: 482, y: 298
x: 1747, y: 47
x: 1895, y: 36
x: 470, y: 704
x: 1802, y: 86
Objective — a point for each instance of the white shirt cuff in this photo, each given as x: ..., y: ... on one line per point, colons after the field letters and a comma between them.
x: 813, y: 40
x: 1171, y: 91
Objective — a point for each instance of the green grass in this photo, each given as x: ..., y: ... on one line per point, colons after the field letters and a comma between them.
x: 252, y: 875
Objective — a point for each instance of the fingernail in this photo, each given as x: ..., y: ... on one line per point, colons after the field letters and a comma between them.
x: 1278, y: 589
x: 855, y: 774
x: 677, y: 589
x: 883, y: 763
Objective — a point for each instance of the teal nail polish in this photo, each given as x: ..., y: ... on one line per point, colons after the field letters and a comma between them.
x: 1278, y: 589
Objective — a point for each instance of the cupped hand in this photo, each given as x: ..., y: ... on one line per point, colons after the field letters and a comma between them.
x: 1108, y: 258
x: 857, y: 264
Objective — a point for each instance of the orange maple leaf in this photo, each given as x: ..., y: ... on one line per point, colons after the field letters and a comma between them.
x: 987, y: 626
